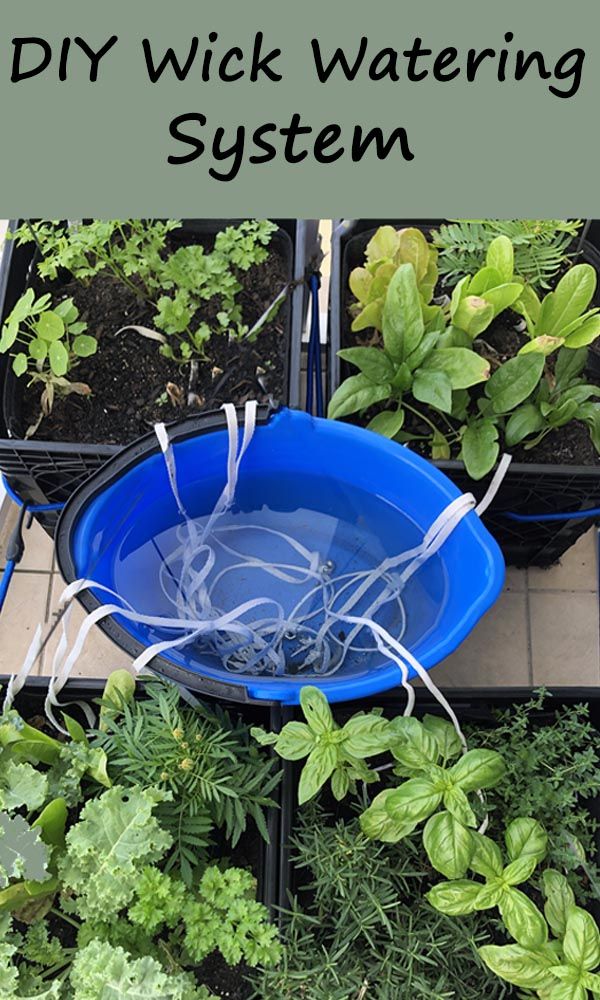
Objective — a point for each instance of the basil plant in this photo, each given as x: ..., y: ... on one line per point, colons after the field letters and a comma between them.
x: 564, y: 966
x: 424, y: 752
x: 331, y: 751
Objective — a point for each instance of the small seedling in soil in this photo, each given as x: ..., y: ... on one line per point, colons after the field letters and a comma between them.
x: 53, y: 341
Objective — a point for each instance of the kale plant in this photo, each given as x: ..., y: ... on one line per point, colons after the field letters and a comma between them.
x: 87, y: 909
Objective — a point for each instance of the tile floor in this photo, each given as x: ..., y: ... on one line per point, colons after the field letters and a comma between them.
x: 544, y: 629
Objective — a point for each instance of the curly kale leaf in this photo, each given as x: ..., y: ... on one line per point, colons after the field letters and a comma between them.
x: 117, y: 835
x: 76, y: 761
x: 21, y: 785
x: 103, y: 972
x: 22, y: 853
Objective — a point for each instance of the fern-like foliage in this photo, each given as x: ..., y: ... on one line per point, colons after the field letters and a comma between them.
x: 542, y: 246
x: 218, y: 776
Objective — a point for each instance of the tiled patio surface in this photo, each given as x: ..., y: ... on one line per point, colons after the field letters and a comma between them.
x: 544, y: 629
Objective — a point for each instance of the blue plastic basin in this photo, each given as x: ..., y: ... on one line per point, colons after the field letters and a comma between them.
x: 332, y: 484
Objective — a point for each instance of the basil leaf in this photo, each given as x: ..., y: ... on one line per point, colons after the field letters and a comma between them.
x: 478, y: 769
x: 365, y: 736
x: 356, y: 393
x: 519, y: 870
x: 454, y: 898
x: 377, y: 824
x: 514, y: 381
x: 295, y: 741
x: 487, y: 857
x: 318, y: 768
x: 456, y: 802
x: 525, y: 837
x: 490, y: 894
x: 413, y: 801
x: 448, y: 844
x: 559, y: 900
x: 340, y: 783
x: 522, y: 919
x: 316, y: 710
x: 445, y: 735
x: 519, y: 966
x: 411, y: 743
x: 581, y: 943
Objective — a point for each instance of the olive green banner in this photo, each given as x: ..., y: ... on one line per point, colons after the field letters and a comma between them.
x: 414, y: 109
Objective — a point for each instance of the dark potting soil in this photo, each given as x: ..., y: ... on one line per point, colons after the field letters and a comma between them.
x: 128, y: 376
x: 568, y: 445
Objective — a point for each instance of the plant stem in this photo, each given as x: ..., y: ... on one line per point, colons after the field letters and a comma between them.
x: 63, y: 916
x: 421, y: 416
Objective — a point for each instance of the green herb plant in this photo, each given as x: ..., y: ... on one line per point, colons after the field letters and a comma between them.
x: 542, y: 247
x: 190, y: 277
x: 47, y: 345
x: 413, y: 365
x: 360, y: 927
x: 333, y: 752
x: 428, y: 362
x: 214, y: 772
x: 552, y: 759
x: 129, y: 250
x: 88, y: 908
x: 552, y: 968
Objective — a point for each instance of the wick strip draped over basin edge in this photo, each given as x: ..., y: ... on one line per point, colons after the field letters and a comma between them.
x: 261, y: 645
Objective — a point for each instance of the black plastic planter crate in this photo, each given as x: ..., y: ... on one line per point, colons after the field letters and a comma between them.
x: 472, y: 707
x: 43, y: 472
x: 30, y: 703
x: 527, y: 488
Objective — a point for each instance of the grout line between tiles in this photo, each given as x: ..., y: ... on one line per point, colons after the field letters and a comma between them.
x: 561, y: 590
x: 528, y: 629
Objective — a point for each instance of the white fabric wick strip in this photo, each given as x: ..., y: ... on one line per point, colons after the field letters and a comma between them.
x: 258, y: 645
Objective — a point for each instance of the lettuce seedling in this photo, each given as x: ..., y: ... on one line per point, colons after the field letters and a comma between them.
x: 386, y: 251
